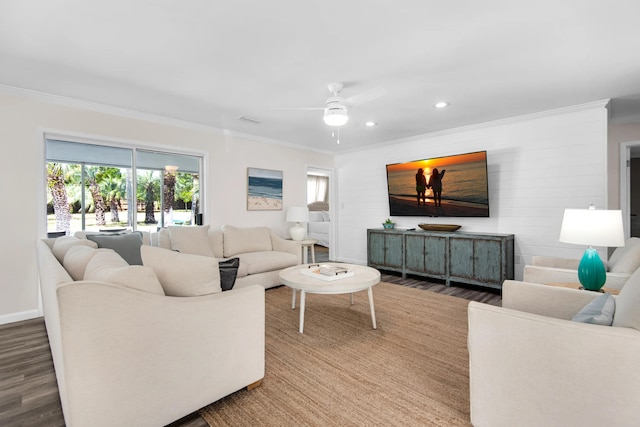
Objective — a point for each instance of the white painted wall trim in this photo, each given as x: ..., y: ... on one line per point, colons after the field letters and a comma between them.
x: 148, y: 117
x: 625, y: 195
x: 18, y: 317
x: 480, y: 126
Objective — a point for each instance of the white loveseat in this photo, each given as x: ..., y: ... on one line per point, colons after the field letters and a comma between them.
x: 262, y: 253
x: 126, y: 354
x: 623, y: 262
x: 530, y: 365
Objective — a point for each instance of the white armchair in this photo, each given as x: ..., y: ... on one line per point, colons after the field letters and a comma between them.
x: 530, y: 365
x: 622, y: 263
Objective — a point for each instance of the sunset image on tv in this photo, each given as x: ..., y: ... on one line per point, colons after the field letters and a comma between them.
x: 453, y: 186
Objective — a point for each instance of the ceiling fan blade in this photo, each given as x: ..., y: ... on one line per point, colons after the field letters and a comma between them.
x: 298, y: 108
x: 367, y: 95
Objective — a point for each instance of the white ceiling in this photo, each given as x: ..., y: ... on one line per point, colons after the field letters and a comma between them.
x: 211, y: 62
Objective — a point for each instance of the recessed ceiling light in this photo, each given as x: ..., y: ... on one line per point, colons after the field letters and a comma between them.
x: 441, y: 104
x: 371, y: 124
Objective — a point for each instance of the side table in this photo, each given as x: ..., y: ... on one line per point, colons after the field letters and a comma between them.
x: 308, y: 244
x: 578, y: 286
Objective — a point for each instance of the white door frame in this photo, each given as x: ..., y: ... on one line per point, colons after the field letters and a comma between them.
x: 625, y: 184
x: 332, y: 206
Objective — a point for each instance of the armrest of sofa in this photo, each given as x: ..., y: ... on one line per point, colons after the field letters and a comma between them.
x: 156, y: 358
x: 546, y: 369
x: 539, y: 274
x: 556, y: 262
x: 290, y: 246
x: 544, y: 300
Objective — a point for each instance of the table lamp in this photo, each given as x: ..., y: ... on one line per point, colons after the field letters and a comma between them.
x: 297, y: 214
x: 592, y: 227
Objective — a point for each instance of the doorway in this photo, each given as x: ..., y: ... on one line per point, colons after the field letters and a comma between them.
x: 630, y: 187
x: 319, y: 195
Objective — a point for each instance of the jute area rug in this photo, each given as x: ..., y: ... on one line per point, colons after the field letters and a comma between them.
x: 411, y: 371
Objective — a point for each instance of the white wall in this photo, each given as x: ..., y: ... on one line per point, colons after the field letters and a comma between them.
x: 538, y: 165
x: 25, y: 118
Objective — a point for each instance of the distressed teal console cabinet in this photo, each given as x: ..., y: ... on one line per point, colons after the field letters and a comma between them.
x: 475, y: 258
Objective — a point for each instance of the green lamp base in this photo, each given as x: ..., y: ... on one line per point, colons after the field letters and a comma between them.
x: 591, y: 271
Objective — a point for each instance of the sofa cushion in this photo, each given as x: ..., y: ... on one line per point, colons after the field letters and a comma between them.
x: 228, y: 273
x: 216, y: 239
x: 112, y: 268
x: 76, y: 260
x: 627, y: 303
x: 599, y: 311
x: 190, y: 240
x: 627, y: 258
x: 62, y: 244
x: 243, y: 240
x: 181, y: 274
x: 164, y: 239
x: 264, y: 261
x: 127, y: 245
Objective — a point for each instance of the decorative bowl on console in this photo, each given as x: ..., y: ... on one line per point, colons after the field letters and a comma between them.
x: 439, y: 227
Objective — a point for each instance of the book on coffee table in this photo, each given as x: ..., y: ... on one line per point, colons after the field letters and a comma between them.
x: 326, y: 272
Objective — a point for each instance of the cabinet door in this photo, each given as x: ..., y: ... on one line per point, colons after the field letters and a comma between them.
x: 376, y: 248
x: 488, y: 261
x: 393, y: 255
x: 414, y: 253
x: 461, y: 261
x: 435, y: 255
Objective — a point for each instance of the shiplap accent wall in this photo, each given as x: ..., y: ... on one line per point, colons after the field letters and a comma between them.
x: 538, y: 165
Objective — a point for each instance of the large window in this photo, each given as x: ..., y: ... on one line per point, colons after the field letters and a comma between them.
x: 99, y: 187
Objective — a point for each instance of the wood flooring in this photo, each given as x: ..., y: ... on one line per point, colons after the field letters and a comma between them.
x: 28, y: 388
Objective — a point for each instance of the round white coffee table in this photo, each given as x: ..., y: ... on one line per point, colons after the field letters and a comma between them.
x: 364, y: 278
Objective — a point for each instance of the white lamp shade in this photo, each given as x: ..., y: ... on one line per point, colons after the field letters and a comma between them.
x: 298, y: 214
x: 592, y: 227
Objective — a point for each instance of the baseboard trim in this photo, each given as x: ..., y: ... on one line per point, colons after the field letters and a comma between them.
x: 20, y: 316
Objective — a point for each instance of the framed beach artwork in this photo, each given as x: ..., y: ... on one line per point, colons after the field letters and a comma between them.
x: 264, y: 190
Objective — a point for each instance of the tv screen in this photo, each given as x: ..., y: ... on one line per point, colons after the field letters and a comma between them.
x: 451, y: 186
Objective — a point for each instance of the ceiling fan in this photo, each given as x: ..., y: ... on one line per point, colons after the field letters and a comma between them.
x: 335, y: 109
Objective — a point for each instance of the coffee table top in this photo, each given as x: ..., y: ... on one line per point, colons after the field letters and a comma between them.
x: 364, y: 277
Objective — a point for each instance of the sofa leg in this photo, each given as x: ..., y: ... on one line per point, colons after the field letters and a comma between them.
x: 254, y: 385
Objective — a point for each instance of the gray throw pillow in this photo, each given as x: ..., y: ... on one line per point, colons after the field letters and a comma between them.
x: 228, y: 273
x: 598, y: 312
x: 126, y: 245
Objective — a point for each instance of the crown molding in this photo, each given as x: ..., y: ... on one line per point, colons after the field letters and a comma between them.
x: 501, y: 122
x: 147, y: 117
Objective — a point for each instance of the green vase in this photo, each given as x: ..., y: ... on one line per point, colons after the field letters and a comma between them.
x: 591, y: 271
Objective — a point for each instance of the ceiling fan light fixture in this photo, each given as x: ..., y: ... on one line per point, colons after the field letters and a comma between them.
x: 336, y: 115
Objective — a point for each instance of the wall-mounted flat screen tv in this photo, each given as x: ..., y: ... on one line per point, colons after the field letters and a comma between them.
x: 450, y: 186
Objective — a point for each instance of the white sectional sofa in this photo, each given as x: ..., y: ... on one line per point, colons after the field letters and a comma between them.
x: 262, y: 253
x: 145, y: 345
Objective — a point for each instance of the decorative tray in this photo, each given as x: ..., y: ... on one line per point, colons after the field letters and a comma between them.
x: 439, y: 227
x: 327, y: 273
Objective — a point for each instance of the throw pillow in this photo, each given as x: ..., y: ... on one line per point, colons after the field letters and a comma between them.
x: 112, y: 268
x: 76, y: 260
x: 183, y: 275
x: 627, y: 303
x: 243, y: 240
x: 62, y: 244
x: 599, y: 311
x: 627, y: 259
x: 325, y: 215
x: 228, y: 273
x: 126, y: 245
x: 191, y: 240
